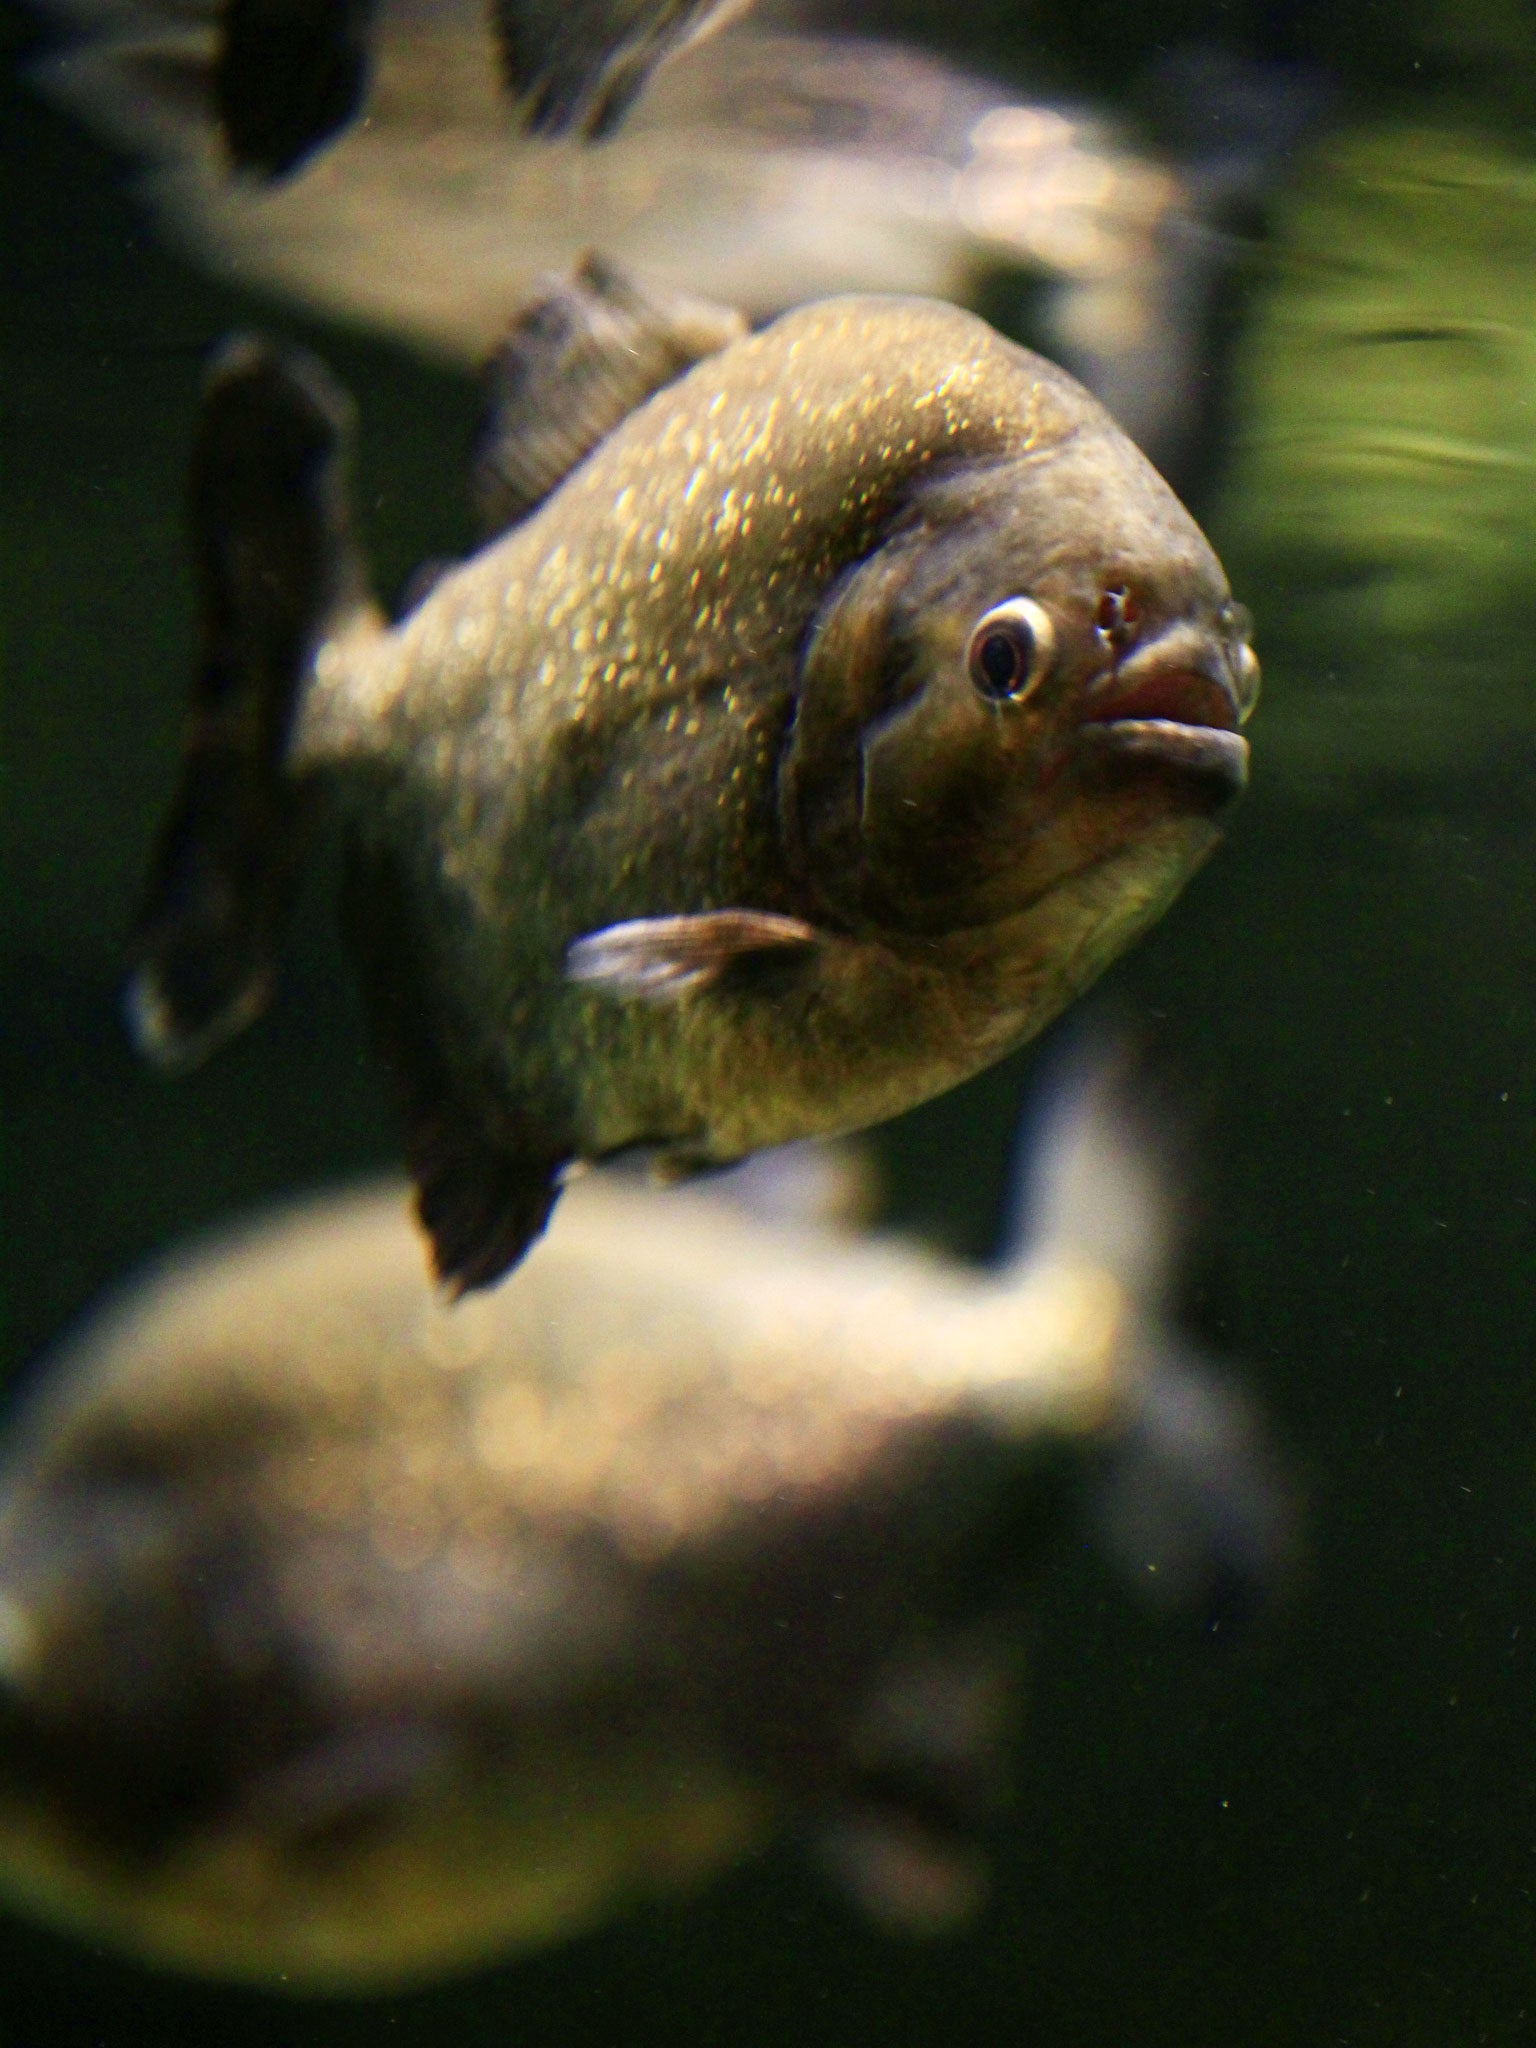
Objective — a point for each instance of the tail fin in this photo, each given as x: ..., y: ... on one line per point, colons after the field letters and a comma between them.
x: 1194, y: 1504
x: 1191, y: 1501
x: 276, y: 570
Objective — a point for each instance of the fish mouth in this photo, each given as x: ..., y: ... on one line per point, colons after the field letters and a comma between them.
x: 1180, y: 722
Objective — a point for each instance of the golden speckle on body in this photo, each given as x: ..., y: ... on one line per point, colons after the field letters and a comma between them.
x: 639, y: 699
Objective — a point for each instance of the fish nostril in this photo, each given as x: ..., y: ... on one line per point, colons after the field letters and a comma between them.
x: 1117, y: 617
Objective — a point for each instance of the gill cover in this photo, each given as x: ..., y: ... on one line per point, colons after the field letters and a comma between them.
x: 912, y: 763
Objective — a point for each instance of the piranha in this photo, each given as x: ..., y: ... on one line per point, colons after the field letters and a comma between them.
x: 821, y: 719
x: 348, y: 1637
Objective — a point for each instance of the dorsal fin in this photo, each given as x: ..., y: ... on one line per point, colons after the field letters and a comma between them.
x: 575, y: 363
x: 278, y: 572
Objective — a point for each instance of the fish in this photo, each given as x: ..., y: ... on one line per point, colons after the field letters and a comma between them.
x: 817, y: 728
x: 349, y: 1638
x: 761, y: 167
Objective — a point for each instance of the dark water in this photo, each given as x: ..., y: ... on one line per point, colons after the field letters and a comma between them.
x: 1328, y: 1838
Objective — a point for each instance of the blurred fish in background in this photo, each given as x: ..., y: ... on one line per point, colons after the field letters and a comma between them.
x: 761, y: 166
x: 288, y: 73
x: 347, y: 1637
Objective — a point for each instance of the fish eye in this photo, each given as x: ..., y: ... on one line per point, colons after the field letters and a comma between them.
x: 1012, y: 648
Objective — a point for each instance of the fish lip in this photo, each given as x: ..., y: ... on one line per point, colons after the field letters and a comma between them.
x: 1212, y: 759
x: 1176, y: 707
x: 1193, y: 694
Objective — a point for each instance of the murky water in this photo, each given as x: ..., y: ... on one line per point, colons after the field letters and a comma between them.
x: 1326, y: 1837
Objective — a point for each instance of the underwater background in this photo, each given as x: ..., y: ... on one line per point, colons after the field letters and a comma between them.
x: 1327, y: 1835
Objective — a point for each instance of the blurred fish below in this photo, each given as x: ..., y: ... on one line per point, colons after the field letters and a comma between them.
x: 763, y: 168
x: 1383, y: 473
x: 348, y: 1637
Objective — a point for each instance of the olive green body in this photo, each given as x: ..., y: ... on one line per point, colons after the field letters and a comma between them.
x: 614, y: 712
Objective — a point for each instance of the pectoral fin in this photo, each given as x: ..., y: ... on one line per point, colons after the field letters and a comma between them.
x: 660, y: 958
x: 573, y: 365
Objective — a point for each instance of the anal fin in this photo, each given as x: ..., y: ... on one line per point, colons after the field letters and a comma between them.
x: 481, y: 1207
x: 481, y: 1195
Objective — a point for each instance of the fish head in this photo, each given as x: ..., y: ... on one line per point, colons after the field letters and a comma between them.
x: 108, y: 1689
x: 167, y: 1783
x: 1039, y: 669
